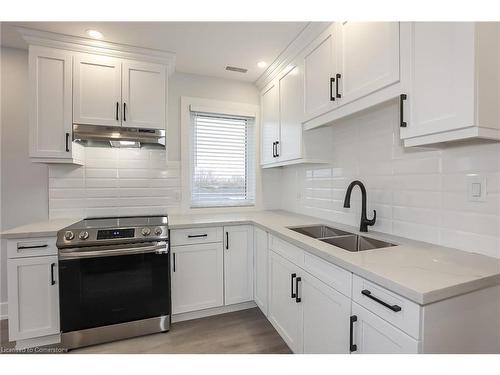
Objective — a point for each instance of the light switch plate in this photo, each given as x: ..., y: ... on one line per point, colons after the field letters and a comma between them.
x: 476, y: 188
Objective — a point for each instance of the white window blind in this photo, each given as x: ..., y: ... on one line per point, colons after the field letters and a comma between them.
x: 222, y: 161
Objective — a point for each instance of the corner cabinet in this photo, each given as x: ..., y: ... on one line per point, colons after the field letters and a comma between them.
x: 453, y: 91
x: 50, y: 108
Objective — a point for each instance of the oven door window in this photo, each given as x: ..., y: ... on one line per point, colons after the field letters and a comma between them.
x: 110, y: 290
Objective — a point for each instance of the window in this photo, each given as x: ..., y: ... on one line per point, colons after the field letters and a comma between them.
x: 222, y: 158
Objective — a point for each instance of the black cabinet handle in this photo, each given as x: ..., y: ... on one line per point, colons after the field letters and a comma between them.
x: 197, y: 235
x: 332, y: 82
x: 297, y: 281
x: 274, y: 149
x: 173, y: 255
x: 31, y: 247
x: 292, y: 294
x: 352, y: 347
x: 227, y: 240
x: 277, y: 144
x: 367, y: 293
x: 337, y: 95
x: 117, y: 110
x: 67, y: 142
x: 124, y: 111
x: 52, y: 280
x: 402, y: 122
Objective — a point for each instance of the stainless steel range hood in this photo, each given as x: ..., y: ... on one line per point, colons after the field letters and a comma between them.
x: 117, y: 136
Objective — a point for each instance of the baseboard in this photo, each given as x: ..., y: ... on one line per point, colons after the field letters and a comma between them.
x: 213, y: 311
x: 4, y: 310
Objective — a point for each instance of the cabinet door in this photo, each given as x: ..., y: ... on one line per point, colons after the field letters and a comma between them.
x: 320, y: 65
x: 50, y: 102
x: 97, y: 90
x: 441, y: 95
x: 285, y: 314
x: 270, y: 123
x: 144, y: 90
x: 261, y: 253
x: 369, y: 58
x: 238, y: 264
x: 291, y: 86
x: 33, y: 297
x: 197, y: 277
x: 373, y: 335
x: 326, y: 315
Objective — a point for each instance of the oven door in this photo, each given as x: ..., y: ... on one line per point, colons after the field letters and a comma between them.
x: 109, y: 284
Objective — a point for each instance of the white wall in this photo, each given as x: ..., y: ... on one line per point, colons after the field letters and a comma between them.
x: 419, y: 193
x: 23, y: 183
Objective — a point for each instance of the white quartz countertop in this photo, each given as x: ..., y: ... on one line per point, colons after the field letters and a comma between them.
x: 44, y: 228
x: 422, y: 272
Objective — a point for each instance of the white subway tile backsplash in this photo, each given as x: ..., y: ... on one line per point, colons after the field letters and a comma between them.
x: 115, y: 182
x: 419, y: 193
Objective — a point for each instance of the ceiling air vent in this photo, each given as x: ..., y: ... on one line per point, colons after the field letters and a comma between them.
x: 236, y: 69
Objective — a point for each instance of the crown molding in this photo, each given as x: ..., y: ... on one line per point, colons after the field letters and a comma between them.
x: 306, y: 36
x: 78, y: 44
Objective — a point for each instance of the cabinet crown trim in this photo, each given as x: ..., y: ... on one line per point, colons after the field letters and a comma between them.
x: 78, y: 44
x: 306, y: 36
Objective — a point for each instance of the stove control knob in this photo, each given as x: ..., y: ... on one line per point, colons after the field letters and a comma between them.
x: 83, y: 235
x: 69, y: 235
x: 145, y: 231
x: 158, y: 231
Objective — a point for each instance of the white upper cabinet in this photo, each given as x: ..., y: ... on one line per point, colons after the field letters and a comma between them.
x: 320, y: 65
x: 97, y: 90
x: 270, y: 123
x: 238, y: 264
x: 50, y: 135
x: 143, y: 95
x: 454, y: 80
x: 291, y: 104
x: 368, y: 58
x: 116, y: 92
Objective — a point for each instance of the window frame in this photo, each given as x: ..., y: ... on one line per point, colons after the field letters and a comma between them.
x: 250, y: 199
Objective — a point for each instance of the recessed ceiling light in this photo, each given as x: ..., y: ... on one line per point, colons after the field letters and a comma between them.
x: 261, y: 64
x: 94, y: 34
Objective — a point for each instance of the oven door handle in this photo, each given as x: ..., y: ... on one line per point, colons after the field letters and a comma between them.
x: 160, y: 248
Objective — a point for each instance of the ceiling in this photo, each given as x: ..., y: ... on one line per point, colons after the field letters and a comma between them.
x: 201, y: 47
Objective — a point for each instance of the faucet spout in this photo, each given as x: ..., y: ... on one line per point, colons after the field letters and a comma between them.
x: 365, y: 222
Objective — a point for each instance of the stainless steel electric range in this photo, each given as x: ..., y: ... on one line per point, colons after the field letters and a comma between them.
x: 114, y: 279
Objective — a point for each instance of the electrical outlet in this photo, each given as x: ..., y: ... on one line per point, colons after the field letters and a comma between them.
x: 476, y: 188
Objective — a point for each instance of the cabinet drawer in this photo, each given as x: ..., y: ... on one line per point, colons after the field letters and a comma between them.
x: 287, y: 250
x: 195, y: 236
x: 332, y: 275
x: 390, y: 306
x: 29, y: 247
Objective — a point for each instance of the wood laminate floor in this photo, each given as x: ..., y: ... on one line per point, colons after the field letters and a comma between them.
x: 243, y: 332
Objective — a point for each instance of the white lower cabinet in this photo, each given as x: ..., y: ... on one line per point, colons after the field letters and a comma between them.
x: 33, y: 292
x: 197, y: 277
x: 285, y: 314
x: 373, y: 335
x: 238, y: 264
x: 326, y: 315
x: 261, y: 254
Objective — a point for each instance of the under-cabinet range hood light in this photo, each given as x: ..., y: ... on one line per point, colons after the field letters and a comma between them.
x: 125, y: 144
x: 117, y: 136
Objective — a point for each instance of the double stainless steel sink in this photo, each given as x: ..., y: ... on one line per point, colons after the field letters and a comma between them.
x: 345, y: 240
